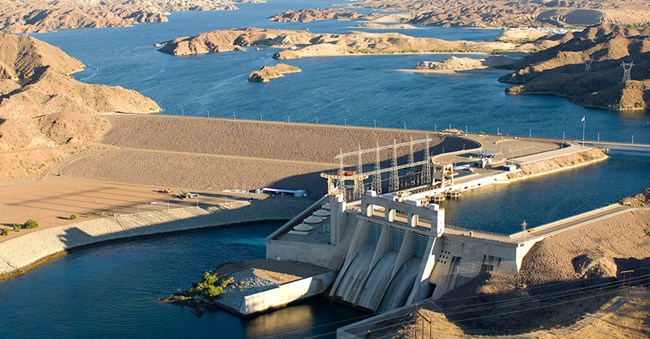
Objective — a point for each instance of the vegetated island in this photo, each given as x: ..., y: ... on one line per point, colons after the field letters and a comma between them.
x: 586, y: 67
x: 266, y: 73
x: 300, y: 43
x: 505, y: 13
x: 18, y: 16
x: 42, y: 107
x: 315, y: 14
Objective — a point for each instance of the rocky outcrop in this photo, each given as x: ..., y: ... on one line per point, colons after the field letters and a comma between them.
x: 640, y: 200
x: 45, y: 107
x: 19, y: 16
x: 562, y: 70
x: 315, y: 14
x: 505, y: 13
x: 452, y: 64
x: 266, y: 73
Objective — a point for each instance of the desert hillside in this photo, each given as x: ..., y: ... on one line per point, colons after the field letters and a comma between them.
x: 561, y: 70
x: 42, y: 107
x: 19, y: 16
x: 299, y: 43
x: 505, y: 13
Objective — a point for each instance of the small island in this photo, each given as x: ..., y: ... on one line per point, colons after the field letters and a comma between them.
x: 267, y: 73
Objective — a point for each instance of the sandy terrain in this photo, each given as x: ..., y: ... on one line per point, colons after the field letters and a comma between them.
x: 279, y: 272
x: 52, y: 201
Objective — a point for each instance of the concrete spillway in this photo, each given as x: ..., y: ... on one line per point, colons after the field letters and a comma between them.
x: 401, y: 285
x: 354, y: 277
x: 378, y: 282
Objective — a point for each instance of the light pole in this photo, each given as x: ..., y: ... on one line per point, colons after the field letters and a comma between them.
x: 584, y: 122
x: 435, y: 127
x: 288, y: 119
x: 404, y: 124
x: 523, y: 228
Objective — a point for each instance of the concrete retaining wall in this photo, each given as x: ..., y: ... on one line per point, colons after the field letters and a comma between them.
x: 20, y: 253
x: 287, y: 293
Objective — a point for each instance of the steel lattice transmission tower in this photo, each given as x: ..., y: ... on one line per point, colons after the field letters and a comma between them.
x: 394, y: 174
x: 376, y: 180
x: 588, y: 64
x: 627, y: 70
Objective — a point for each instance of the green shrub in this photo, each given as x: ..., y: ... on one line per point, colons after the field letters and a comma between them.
x: 31, y: 223
x: 211, y: 286
x: 17, y: 228
x: 73, y: 216
x: 4, y: 231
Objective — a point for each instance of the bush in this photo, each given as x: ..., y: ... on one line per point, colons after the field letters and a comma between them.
x: 31, y: 223
x: 211, y: 286
x: 4, y: 231
x: 73, y: 216
x: 17, y: 228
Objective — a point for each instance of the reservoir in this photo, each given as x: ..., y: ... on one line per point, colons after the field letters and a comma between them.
x: 113, y: 290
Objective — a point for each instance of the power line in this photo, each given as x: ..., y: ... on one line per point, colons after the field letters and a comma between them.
x: 473, y: 308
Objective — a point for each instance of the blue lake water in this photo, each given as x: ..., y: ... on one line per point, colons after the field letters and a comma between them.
x: 112, y: 290
x: 356, y: 90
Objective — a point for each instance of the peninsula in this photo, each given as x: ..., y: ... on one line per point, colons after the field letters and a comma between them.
x: 300, y: 43
x: 587, y: 68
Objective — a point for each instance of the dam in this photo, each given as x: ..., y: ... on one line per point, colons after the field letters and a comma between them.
x: 394, y: 249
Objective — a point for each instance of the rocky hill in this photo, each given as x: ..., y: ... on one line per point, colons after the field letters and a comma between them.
x: 315, y: 14
x: 298, y: 43
x: 506, y: 13
x: 18, y: 16
x: 43, y: 107
x: 562, y: 71
x: 267, y: 73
